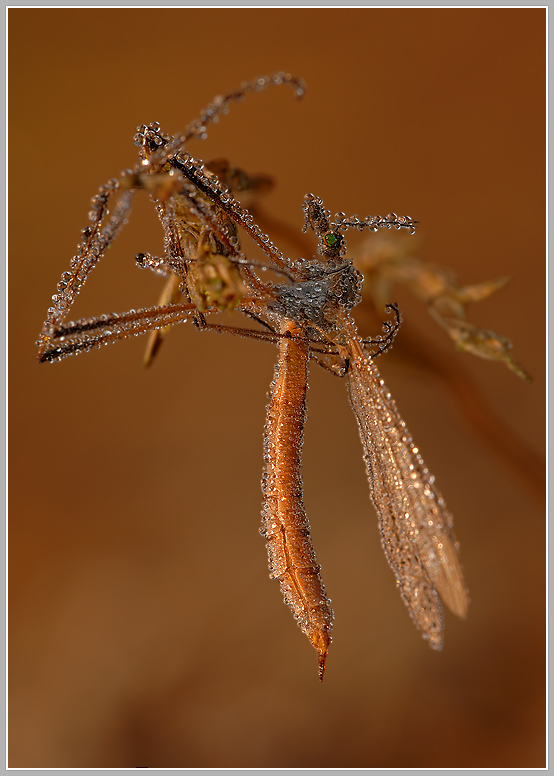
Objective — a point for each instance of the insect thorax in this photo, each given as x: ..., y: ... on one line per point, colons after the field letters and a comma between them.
x: 327, y: 289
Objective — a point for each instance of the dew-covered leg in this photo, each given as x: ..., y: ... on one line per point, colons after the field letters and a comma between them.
x: 77, y: 337
x: 285, y: 526
x: 96, y: 239
x: 220, y: 105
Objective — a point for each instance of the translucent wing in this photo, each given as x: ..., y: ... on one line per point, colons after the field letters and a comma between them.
x: 416, y: 527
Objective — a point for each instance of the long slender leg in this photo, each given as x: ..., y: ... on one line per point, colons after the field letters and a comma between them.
x: 285, y: 526
x: 95, y: 241
x: 79, y: 336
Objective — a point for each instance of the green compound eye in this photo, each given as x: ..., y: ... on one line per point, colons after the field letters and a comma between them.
x: 330, y: 239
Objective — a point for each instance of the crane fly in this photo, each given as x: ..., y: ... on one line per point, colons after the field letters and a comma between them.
x: 306, y: 310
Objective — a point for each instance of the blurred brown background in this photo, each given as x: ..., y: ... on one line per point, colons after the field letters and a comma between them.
x: 144, y: 630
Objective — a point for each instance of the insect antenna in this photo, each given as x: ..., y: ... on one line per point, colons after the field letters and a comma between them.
x: 374, y: 223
